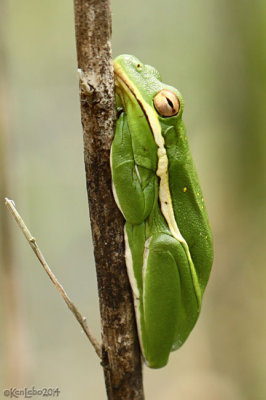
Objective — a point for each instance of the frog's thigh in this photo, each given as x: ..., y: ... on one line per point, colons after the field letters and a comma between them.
x: 167, y: 289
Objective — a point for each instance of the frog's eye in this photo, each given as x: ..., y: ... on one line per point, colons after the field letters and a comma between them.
x: 166, y: 103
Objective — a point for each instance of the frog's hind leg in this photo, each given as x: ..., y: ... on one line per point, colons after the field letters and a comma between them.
x: 169, y: 302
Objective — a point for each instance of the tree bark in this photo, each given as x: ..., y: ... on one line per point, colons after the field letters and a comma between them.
x: 121, y: 356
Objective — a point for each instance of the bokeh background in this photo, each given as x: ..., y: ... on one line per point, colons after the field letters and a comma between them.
x: 214, y: 53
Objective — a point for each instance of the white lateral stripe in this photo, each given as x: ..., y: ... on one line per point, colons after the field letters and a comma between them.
x: 130, y: 270
x: 144, y: 269
x: 134, y: 287
x: 162, y: 169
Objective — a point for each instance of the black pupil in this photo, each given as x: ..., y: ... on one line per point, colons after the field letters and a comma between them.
x: 169, y: 102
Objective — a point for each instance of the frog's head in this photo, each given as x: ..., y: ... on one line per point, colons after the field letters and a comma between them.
x: 143, y: 82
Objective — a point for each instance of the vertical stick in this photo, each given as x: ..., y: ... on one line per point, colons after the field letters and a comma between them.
x: 121, y: 356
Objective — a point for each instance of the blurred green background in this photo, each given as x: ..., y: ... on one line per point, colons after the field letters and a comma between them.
x: 214, y: 53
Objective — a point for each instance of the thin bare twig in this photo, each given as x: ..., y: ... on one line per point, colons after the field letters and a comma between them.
x: 32, y: 241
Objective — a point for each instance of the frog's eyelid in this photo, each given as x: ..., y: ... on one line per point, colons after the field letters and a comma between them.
x: 153, y: 71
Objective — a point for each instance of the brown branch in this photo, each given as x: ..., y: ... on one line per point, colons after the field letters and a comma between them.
x: 121, y: 356
x: 33, y: 244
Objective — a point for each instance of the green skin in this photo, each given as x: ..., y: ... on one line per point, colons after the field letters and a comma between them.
x: 168, y: 267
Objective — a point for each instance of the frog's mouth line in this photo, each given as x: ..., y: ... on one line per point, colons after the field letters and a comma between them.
x: 122, y: 81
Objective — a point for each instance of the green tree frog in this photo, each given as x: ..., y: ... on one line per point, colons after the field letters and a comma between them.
x: 168, y: 242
